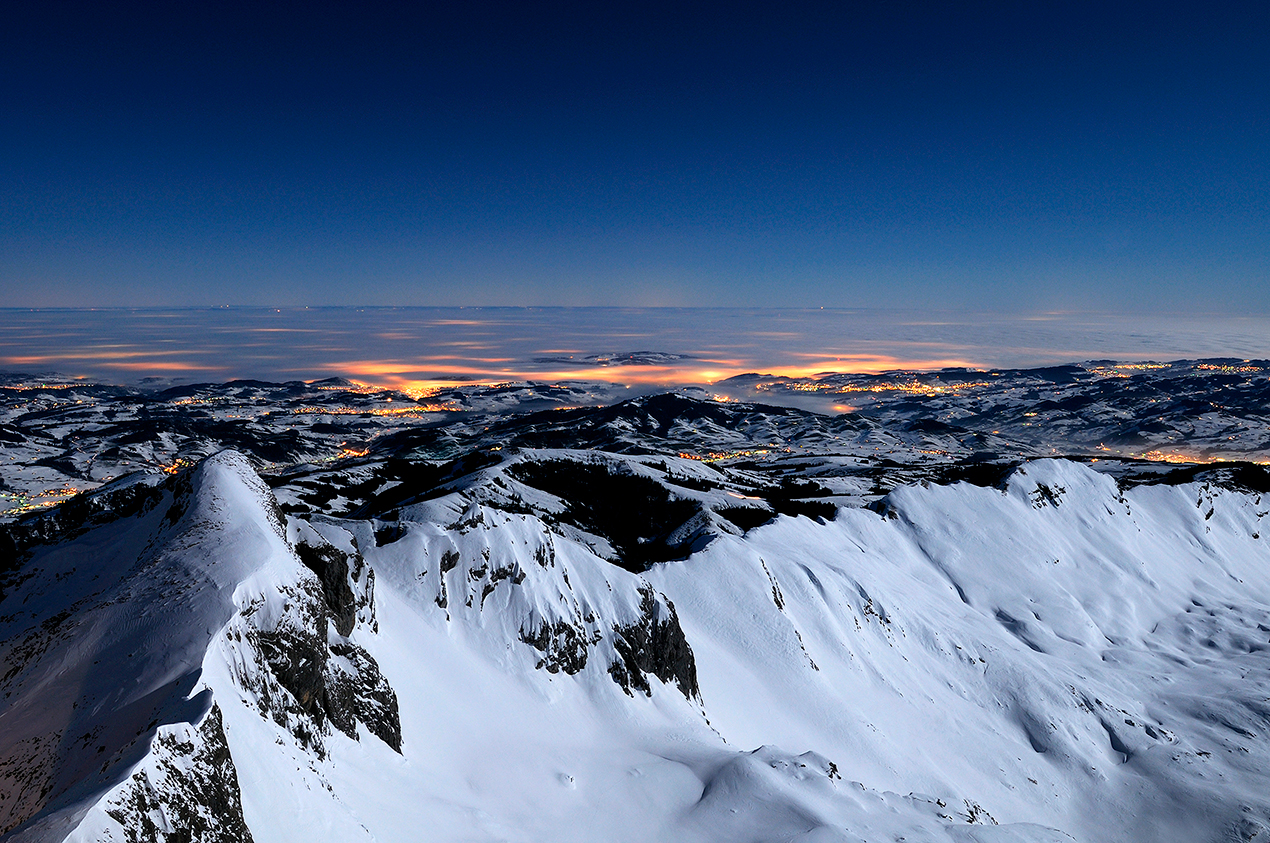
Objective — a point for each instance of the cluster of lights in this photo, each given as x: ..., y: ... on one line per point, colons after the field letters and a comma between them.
x: 1172, y: 457
x: 1230, y: 370
x: 716, y: 456
x: 206, y: 399
x: 345, y: 452
x: 417, y: 392
x: 40, y: 387
x: 908, y: 388
x: 1189, y: 459
x: 1124, y: 370
x: 355, y: 387
x: 377, y: 411
x: 40, y: 500
x: 415, y: 410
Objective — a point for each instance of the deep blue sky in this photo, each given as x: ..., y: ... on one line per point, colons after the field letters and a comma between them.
x: 1010, y: 156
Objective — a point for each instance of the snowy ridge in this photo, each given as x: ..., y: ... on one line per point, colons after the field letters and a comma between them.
x: 546, y: 643
x: 137, y: 600
x: 62, y: 436
x: 510, y: 577
x: 1044, y: 661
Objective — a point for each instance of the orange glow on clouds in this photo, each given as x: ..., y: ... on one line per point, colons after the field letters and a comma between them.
x: 415, y: 350
x: 409, y: 377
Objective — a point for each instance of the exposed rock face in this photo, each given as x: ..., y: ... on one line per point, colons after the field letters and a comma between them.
x: 355, y: 691
x: 348, y: 583
x: 654, y: 644
x: 546, y: 585
x: 304, y: 674
x: 187, y: 791
x: 285, y: 661
x: 562, y: 645
x: 332, y: 567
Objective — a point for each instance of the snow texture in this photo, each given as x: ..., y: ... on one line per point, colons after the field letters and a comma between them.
x: 486, y: 649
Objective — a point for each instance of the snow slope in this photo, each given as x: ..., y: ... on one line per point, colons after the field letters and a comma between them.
x: 1058, y: 653
x: 1054, y: 659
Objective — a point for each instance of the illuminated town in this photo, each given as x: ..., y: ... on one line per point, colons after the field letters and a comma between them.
x: 61, y: 437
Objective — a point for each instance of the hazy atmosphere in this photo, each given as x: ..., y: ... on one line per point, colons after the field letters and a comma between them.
x: 644, y: 348
x: 817, y: 422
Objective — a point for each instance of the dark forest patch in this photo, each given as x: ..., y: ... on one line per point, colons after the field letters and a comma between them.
x: 745, y: 517
x: 636, y: 514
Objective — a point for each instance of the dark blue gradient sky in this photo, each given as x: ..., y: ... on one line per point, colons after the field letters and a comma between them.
x: 1011, y: 156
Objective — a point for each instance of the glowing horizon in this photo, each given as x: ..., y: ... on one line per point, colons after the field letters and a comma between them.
x: 420, y: 349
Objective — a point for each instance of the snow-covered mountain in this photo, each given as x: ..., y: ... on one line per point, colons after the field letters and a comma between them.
x: 663, y: 619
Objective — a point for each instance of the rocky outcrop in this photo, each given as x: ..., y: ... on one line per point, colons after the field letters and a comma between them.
x: 355, y: 691
x: 563, y: 646
x: 545, y: 585
x: 302, y: 669
x: 186, y: 791
x: 654, y: 644
x: 285, y: 661
x: 332, y: 567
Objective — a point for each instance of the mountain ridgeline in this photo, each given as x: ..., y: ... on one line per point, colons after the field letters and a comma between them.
x: 666, y: 618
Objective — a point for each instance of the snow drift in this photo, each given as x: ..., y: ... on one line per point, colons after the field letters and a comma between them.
x: 1053, y: 658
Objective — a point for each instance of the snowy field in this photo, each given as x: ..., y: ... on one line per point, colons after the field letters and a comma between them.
x: 584, y: 625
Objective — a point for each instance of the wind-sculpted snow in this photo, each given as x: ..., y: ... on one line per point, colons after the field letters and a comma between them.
x: 106, y: 642
x: 104, y: 636
x: 489, y: 630
x: 186, y: 789
x: 1057, y: 652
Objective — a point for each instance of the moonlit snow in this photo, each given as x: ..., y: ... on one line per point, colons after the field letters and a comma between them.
x: 1056, y: 656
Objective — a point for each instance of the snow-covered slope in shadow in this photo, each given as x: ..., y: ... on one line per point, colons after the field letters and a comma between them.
x: 123, y: 644
x: 105, y: 636
x: 1054, y: 659
x: 1055, y: 652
